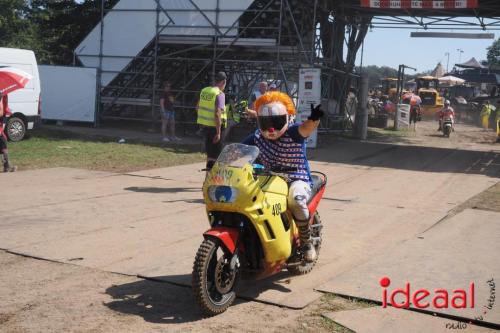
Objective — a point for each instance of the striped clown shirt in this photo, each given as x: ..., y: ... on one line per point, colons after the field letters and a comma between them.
x: 287, y: 151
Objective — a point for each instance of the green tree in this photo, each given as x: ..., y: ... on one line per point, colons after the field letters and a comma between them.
x: 63, y: 24
x: 493, y: 54
x: 52, y: 29
x: 16, y: 30
x: 376, y: 73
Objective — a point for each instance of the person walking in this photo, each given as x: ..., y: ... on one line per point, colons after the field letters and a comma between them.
x: 167, y: 114
x: 4, y: 114
x: 485, y: 114
x: 211, y: 115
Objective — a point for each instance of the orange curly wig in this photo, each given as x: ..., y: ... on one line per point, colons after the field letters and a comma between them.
x: 275, y: 96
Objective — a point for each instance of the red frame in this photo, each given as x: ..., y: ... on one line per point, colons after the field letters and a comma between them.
x: 313, y: 204
x: 228, y: 236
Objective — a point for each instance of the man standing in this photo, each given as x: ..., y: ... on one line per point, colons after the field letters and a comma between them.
x: 4, y: 113
x: 263, y: 88
x: 211, y: 115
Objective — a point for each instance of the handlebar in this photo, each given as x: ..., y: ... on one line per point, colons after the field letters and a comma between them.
x: 284, y: 169
x: 280, y: 171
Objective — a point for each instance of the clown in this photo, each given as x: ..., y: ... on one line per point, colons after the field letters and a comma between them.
x: 282, y: 144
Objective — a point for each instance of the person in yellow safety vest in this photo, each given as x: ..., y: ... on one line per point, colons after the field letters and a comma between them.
x: 485, y: 114
x: 211, y: 116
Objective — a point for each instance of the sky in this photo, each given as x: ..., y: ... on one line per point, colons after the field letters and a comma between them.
x: 392, y: 47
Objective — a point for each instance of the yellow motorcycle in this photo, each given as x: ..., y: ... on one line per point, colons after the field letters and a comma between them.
x: 252, y: 234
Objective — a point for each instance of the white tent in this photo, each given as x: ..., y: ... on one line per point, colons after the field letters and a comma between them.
x: 439, y: 71
x: 451, y: 80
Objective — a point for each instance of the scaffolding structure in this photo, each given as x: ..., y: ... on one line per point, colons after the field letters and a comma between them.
x: 269, y: 41
x: 187, y: 42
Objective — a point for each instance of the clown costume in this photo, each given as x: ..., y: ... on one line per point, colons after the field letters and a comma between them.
x: 282, y: 145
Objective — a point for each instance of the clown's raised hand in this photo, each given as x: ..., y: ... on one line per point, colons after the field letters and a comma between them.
x: 312, y: 122
x: 316, y: 113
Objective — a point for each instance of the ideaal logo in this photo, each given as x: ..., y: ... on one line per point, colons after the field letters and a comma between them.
x: 439, y: 299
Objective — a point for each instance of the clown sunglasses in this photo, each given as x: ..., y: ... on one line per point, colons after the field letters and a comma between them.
x: 276, y: 122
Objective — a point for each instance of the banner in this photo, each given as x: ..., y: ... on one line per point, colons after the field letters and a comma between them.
x: 309, y: 93
x: 420, y: 4
x: 68, y: 93
x: 403, y: 111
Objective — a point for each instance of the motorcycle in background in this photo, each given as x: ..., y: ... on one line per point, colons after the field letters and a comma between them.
x: 447, y: 126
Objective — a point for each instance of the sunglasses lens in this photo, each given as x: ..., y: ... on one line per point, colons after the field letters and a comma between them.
x: 276, y: 122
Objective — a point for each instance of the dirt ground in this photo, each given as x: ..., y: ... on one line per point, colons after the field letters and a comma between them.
x: 43, y: 296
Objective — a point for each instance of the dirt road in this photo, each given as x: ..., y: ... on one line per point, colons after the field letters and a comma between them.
x: 44, y: 296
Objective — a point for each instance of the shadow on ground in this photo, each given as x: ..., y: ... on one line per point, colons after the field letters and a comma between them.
x: 158, y: 301
x: 154, y: 301
x: 415, y: 158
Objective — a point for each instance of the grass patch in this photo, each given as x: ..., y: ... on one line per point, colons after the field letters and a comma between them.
x: 486, y: 200
x: 332, y: 326
x: 314, y: 321
x: 333, y: 302
x: 47, y: 149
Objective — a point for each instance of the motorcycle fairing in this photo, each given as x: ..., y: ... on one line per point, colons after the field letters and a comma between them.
x: 261, y: 199
x: 313, y: 203
x: 227, y: 236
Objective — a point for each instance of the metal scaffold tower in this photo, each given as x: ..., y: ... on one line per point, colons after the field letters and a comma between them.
x: 186, y: 42
x: 140, y: 44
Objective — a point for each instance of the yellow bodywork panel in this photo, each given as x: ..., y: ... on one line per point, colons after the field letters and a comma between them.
x: 262, y: 199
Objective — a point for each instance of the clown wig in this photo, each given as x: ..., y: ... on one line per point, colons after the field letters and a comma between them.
x: 275, y: 96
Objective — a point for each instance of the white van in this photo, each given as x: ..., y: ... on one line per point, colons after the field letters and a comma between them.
x: 24, y: 103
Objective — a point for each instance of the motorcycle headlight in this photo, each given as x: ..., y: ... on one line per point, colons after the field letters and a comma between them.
x: 222, y: 193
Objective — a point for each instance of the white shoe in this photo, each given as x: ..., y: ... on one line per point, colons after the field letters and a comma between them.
x: 175, y: 138
x: 165, y: 139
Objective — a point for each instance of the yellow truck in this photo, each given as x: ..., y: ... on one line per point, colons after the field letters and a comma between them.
x: 427, y: 89
x: 389, y: 86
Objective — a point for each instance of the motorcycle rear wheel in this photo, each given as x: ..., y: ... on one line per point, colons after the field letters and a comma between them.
x: 213, y: 281
x: 306, y: 267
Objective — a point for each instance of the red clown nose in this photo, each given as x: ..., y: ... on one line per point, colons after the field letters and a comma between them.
x: 271, y: 130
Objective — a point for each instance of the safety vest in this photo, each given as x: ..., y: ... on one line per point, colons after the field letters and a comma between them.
x: 206, y: 106
x: 486, y: 111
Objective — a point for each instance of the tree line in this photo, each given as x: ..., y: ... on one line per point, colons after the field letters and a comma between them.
x: 51, y: 28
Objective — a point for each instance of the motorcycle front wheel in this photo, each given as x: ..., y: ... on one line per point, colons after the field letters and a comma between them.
x: 213, y: 279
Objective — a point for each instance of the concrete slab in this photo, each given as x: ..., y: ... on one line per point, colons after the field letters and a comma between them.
x: 450, y: 256
x: 377, y: 319
x: 151, y: 222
